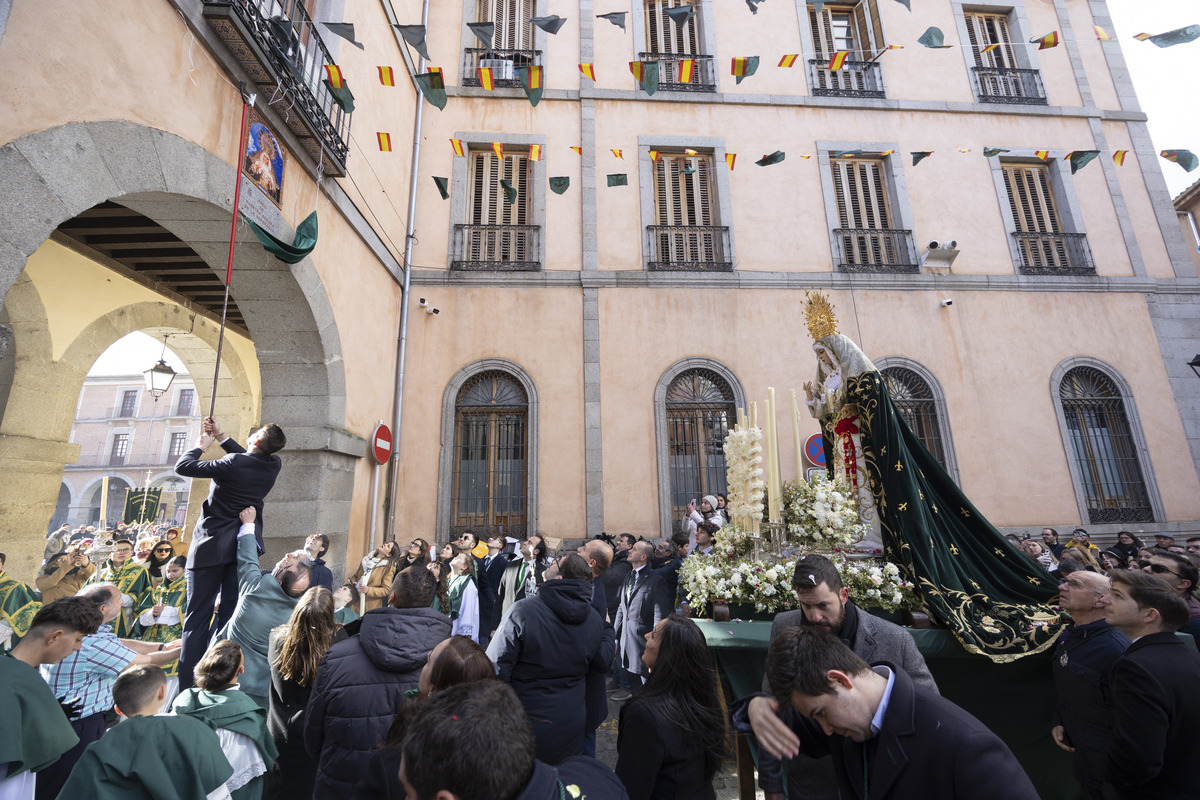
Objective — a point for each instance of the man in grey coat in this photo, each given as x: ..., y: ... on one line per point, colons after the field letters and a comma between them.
x: 825, y: 603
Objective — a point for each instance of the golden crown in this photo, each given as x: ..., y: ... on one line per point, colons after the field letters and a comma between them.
x: 819, y: 316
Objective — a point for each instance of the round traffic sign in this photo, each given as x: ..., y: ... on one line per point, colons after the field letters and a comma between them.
x: 814, y: 449
x: 381, y: 443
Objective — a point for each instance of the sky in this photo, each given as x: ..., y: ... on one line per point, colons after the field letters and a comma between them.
x: 134, y: 354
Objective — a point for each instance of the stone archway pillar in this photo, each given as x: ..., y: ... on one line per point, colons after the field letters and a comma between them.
x: 33, y: 470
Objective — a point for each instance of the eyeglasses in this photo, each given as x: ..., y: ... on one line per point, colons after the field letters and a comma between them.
x: 1159, y: 569
x: 162, y: 549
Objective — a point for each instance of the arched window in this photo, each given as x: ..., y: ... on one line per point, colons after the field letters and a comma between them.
x: 914, y: 400
x: 700, y: 408
x: 1103, y: 448
x: 491, y: 438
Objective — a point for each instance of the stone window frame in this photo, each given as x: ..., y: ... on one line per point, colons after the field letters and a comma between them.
x: 661, y: 431
x: 468, y: 40
x: 1135, y: 430
x: 939, y: 406
x: 897, y: 188
x: 1018, y: 26
x: 1070, y: 213
x: 445, y: 482
x: 808, y: 51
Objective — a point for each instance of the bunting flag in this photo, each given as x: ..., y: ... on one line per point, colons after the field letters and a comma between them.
x: 1178, y: 36
x: 1047, y: 41
x: 498, y: 149
x: 415, y: 36
x: 992, y: 152
x: 1141, y: 37
x: 932, y: 38
x: 687, y: 69
x: 616, y: 18
x: 905, y: 3
x: 687, y: 151
x: 789, y: 60
x: 486, y: 79
x: 847, y: 154
x: 920, y: 155
x: 433, y: 87
x: 510, y: 191
x: 729, y: 159
x: 549, y: 24
x: 1044, y: 155
x: 963, y: 149
x: 618, y: 154
x: 818, y: 5
x: 578, y: 151
x: 618, y: 179
x: 654, y: 156
x: 1119, y: 157
x: 1101, y: 34
x: 340, y: 91
x: 344, y: 30
x: 386, y: 77
x: 535, y: 152
x: 646, y: 73
x: 887, y: 153
x: 443, y: 187
x: 680, y: 14
x: 753, y: 4
x: 559, y: 185
x: 989, y: 48
x: 484, y: 31
x: 688, y: 170
x: 335, y: 76
x: 589, y: 71
x: 385, y: 141
x: 1081, y: 158
x: 460, y: 149
x: 895, y: 47
x: 772, y: 158
x: 1184, y: 158
x: 806, y: 156
x: 744, y: 66
x: 531, y: 82
x: 839, y: 58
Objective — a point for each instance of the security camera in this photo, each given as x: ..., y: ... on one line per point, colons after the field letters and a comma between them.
x: 950, y: 245
x: 947, y: 302
x: 934, y: 245
x: 429, y: 310
x: 424, y: 302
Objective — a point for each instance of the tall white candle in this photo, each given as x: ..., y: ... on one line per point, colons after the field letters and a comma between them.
x: 796, y: 438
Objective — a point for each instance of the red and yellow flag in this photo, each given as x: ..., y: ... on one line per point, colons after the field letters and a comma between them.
x: 963, y: 149
x: 887, y: 152
x: 839, y: 58
x: 729, y: 159
x: 588, y: 70
x: 460, y: 149
x: 385, y: 141
x: 1141, y: 37
x: 535, y: 77
x: 687, y: 69
x: 1119, y: 157
x: 1101, y: 34
x: 335, y: 76
x: 806, y: 156
x: 1047, y: 41
x: 687, y: 151
x: 739, y: 66
x: 617, y: 153
x: 895, y: 47
x: 989, y: 48
x: 1044, y: 155
x: 498, y: 149
x: 486, y: 79
x: 535, y: 152
x: 654, y: 155
x: 638, y: 69
x: 789, y: 60
x: 385, y: 76
x: 578, y: 151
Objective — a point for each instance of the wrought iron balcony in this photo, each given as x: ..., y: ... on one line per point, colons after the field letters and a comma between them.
x: 512, y: 248
x: 1055, y: 254
x: 504, y: 64
x: 277, y: 44
x: 702, y: 248
x: 854, y: 79
x: 876, y: 250
x: 1005, y: 85
x: 704, y: 76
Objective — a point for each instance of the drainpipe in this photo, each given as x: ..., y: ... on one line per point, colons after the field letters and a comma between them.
x: 1191, y: 218
x: 410, y: 222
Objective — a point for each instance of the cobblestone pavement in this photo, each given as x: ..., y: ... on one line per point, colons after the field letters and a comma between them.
x: 606, y: 750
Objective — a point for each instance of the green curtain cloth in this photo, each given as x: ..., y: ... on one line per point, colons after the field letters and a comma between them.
x: 302, y: 243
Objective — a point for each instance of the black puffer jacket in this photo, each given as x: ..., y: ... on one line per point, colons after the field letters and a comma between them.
x: 545, y: 648
x: 614, y: 579
x: 360, y: 688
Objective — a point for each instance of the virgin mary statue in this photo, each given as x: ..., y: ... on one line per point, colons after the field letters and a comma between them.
x: 972, y: 580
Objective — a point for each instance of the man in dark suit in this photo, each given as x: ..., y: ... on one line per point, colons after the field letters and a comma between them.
x: 241, y: 479
x: 519, y: 576
x: 1154, y: 749
x: 491, y: 571
x: 890, y: 739
x: 644, y: 602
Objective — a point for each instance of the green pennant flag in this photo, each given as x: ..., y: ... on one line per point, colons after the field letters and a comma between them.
x: 773, y: 158
x: 1178, y: 36
x: 415, y: 36
x: 680, y: 14
x: 510, y: 192
x: 531, y: 82
x: 616, y: 18
x: 549, y: 24
x: 818, y: 5
x: 920, y: 155
x: 1081, y: 158
x: 302, y: 243
x: 443, y: 187
x: 932, y: 38
x: 484, y: 31
x: 344, y: 30
x: 905, y: 3
x: 649, y: 80
x: 848, y: 154
x: 433, y: 87
x: 341, y: 96
x: 750, y: 69
x: 688, y: 170
x: 991, y: 152
x: 618, y: 179
x: 559, y: 185
x: 1184, y: 158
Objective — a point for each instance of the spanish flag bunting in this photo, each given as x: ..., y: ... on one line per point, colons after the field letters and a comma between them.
x: 535, y: 152
x: 385, y: 141
x: 963, y: 149
x: 1119, y: 157
x: 486, y: 79
x: 839, y: 58
x: 729, y: 159
x: 687, y: 69
x: 1101, y: 34
x: 589, y: 71
x: 638, y: 68
x: 385, y: 76
x: 989, y: 48
x: 887, y: 152
x: 617, y: 153
x: 789, y: 60
x: 654, y: 155
x: 335, y: 76
x: 578, y: 151
x: 498, y: 149
x: 690, y: 152
x: 1184, y: 158
x: 1047, y: 41
x: 895, y: 47
x: 460, y: 149
x: 806, y: 156
x: 1141, y: 37
x: 920, y: 155
x: 1044, y: 155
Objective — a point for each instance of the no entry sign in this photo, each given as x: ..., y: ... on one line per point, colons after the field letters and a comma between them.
x: 814, y: 449
x: 381, y: 443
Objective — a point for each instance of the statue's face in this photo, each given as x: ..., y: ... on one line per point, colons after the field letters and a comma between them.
x: 823, y: 357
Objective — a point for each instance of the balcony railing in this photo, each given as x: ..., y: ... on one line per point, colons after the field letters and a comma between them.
x: 277, y: 44
x: 1055, y: 254
x: 503, y: 63
x: 1005, y: 85
x: 689, y: 247
x: 704, y: 76
x: 854, y: 79
x: 876, y: 250
x: 500, y: 247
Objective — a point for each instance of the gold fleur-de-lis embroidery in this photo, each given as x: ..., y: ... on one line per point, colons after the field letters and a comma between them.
x: 899, y: 467
x: 920, y: 494
x: 935, y: 509
x: 973, y: 583
x: 953, y: 549
x: 1034, y: 580
x: 965, y: 513
x: 902, y: 507
x: 999, y: 552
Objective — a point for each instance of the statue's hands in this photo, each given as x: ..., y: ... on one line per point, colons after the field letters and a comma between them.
x: 808, y: 390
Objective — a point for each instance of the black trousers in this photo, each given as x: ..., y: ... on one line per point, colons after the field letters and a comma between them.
x: 51, y: 779
x: 204, y: 584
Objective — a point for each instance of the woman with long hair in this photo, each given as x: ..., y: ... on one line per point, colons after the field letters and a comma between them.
x: 464, y: 597
x: 1128, y: 545
x: 295, y: 651
x: 417, y: 553
x: 161, y: 554
x: 160, y: 614
x: 375, y: 575
x: 441, y: 598
x: 671, y: 738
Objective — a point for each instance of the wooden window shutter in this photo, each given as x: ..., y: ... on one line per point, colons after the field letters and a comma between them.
x: 860, y: 192
x: 821, y: 26
x: 876, y: 30
x: 1031, y: 198
x: 988, y: 29
x: 703, y: 191
x: 664, y: 36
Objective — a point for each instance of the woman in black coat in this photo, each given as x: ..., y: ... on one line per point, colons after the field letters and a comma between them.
x: 671, y: 738
x: 295, y: 651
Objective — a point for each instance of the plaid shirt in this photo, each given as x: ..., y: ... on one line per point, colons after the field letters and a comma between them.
x: 90, y: 672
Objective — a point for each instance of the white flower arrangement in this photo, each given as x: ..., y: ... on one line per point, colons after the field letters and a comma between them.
x: 743, y: 472
x: 822, y: 514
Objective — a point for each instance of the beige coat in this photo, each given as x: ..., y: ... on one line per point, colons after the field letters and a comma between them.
x: 379, y: 585
x: 65, y: 582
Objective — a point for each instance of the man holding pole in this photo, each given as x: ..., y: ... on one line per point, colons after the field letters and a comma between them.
x: 241, y: 479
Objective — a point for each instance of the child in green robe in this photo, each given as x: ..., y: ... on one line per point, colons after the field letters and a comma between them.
x: 160, y: 614
x: 345, y: 600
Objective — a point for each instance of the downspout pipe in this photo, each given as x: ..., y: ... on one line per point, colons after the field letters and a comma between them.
x: 409, y: 240
x: 1191, y: 218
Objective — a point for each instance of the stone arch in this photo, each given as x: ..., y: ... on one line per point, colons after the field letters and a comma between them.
x: 939, y: 405
x: 446, y: 457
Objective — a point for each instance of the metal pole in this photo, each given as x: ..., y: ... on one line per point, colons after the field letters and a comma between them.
x: 149, y: 435
x: 374, y: 506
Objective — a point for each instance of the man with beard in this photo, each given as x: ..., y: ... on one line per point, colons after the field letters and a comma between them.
x: 825, y: 603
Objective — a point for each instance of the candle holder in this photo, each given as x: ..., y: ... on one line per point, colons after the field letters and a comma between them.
x: 775, y: 534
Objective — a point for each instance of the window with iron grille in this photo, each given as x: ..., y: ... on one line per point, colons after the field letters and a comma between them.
x: 700, y: 410
x: 511, y: 18
x: 853, y: 28
x: 866, y: 236
x: 512, y: 42
x: 120, y: 449
x: 128, y: 403
x: 685, y: 234
x: 999, y: 75
x: 914, y: 399
x: 187, y: 397
x: 489, y: 490
x: 499, y: 234
x: 178, y: 445
x: 1044, y: 247
x: 1103, y: 447
x: 669, y: 43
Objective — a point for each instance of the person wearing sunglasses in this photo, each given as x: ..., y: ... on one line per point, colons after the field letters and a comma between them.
x: 1183, y: 576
